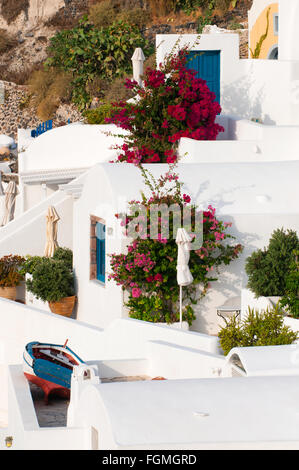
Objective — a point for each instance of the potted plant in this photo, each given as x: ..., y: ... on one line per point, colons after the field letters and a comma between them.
x: 10, y: 276
x: 27, y: 269
x: 268, y: 269
x: 290, y: 300
x: 53, y: 282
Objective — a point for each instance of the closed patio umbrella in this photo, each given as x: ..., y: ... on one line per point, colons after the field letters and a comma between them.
x: 184, y: 276
x: 137, y: 61
x: 10, y: 202
x: 51, y: 230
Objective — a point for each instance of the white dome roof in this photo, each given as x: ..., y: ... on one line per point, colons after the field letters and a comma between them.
x: 72, y: 146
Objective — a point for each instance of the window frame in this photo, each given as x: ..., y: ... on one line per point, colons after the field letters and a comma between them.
x: 95, y: 275
x: 276, y: 24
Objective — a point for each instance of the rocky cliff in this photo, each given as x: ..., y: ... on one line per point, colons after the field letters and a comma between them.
x: 30, y: 24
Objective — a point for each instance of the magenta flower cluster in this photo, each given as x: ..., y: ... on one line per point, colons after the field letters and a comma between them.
x: 172, y: 104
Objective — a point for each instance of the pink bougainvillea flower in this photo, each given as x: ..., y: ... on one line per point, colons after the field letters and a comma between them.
x: 136, y: 292
x: 158, y: 278
x: 172, y: 104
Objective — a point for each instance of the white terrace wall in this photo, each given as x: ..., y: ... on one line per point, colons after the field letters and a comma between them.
x: 26, y: 235
x: 256, y: 197
x: 124, y: 339
x: 288, y: 42
x: 61, y: 155
x: 258, y: 89
x: 243, y: 141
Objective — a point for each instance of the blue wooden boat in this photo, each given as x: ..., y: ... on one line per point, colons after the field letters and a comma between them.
x: 50, y: 366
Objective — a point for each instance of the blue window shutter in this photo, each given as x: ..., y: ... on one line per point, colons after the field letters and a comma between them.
x: 101, y: 251
x: 207, y: 65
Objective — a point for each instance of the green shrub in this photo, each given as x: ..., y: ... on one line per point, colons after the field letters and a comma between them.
x: 86, y: 52
x: 98, y: 115
x: 190, y: 5
x: 51, y: 280
x: 290, y: 300
x: 267, y: 269
x: 65, y: 255
x: 152, y: 309
x: 29, y: 264
x: 233, y: 25
x: 257, y: 329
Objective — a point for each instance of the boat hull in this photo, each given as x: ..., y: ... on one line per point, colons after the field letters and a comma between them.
x: 49, y: 388
x: 50, y: 367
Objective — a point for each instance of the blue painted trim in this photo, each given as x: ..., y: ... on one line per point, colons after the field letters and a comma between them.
x: 101, y: 251
x: 207, y: 66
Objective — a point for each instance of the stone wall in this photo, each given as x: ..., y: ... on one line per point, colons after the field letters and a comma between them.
x: 13, y: 115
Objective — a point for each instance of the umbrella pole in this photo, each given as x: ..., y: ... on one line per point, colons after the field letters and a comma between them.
x: 181, y: 307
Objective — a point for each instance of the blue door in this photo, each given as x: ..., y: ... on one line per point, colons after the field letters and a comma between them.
x: 101, y: 251
x: 207, y: 65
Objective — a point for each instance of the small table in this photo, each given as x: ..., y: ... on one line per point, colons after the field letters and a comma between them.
x: 226, y: 312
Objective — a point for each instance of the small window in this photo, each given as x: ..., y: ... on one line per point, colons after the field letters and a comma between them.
x: 101, y: 250
x: 276, y: 24
x: 97, y: 249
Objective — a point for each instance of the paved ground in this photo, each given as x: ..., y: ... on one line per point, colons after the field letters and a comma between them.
x: 52, y: 415
x: 55, y: 413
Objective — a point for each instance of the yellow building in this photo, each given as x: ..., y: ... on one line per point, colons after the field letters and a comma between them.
x: 263, y: 23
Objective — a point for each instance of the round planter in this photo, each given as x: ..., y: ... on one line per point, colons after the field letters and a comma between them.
x: 64, y: 307
x: 8, y: 292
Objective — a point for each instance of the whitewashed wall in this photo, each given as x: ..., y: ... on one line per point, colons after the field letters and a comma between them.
x: 260, y: 89
x: 123, y: 340
x: 288, y: 30
x: 256, y: 197
x: 61, y: 155
x: 243, y: 141
x: 26, y: 235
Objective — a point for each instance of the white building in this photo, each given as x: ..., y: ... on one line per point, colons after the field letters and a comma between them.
x: 250, y: 175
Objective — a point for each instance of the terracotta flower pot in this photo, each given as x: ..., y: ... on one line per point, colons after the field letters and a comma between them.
x: 64, y: 306
x: 8, y: 292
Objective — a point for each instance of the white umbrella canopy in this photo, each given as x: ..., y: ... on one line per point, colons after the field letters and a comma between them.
x: 137, y: 61
x: 184, y: 276
x: 51, y: 230
x: 10, y: 202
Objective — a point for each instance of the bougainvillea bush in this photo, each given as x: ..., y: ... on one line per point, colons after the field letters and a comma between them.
x: 172, y: 103
x: 148, y: 270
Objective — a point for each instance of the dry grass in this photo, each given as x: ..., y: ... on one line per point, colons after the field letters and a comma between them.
x: 47, y: 90
x: 11, y: 9
x: 20, y: 76
x: 117, y: 90
x: 7, y: 41
x: 161, y: 7
x: 47, y: 108
x: 104, y: 13
x: 61, y: 21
